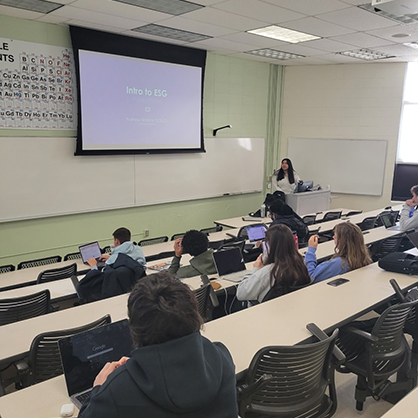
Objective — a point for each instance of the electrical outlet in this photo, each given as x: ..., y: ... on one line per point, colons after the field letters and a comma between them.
x: 146, y: 233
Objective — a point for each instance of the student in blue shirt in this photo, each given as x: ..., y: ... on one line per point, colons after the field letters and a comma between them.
x: 350, y: 253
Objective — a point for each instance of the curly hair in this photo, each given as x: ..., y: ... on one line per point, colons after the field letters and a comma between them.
x: 195, y: 242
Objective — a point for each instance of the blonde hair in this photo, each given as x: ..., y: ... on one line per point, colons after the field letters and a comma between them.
x: 350, y: 246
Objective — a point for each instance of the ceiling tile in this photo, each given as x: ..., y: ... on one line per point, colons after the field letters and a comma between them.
x: 258, y: 10
x: 255, y: 40
x: 327, y: 45
x: 399, y: 50
x: 317, y: 27
x: 388, y: 33
x: 225, y: 19
x: 310, y: 7
x: 122, y: 10
x: 180, y: 22
x: 357, y: 19
x: 224, y: 44
x: 361, y: 39
x: 97, y: 17
x: 24, y: 14
x: 98, y: 26
x: 53, y: 19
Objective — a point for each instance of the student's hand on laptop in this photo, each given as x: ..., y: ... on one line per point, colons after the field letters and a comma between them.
x: 178, y: 248
x: 108, y: 369
x: 92, y: 262
x: 104, y: 257
x: 313, y: 241
x: 259, y: 262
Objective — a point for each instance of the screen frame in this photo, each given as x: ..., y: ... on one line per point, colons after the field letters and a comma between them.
x: 126, y: 46
x: 403, y: 180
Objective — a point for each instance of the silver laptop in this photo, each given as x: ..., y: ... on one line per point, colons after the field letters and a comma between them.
x: 389, y: 221
x: 84, y: 355
x: 91, y: 250
x: 230, y: 264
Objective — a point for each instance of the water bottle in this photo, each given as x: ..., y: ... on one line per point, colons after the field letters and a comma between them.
x: 263, y: 210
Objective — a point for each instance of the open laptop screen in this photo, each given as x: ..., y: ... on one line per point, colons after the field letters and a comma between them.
x: 256, y: 233
x: 413, y: 237
x: 84, y: 355
x: 91, y: 250
x: 228, y: 261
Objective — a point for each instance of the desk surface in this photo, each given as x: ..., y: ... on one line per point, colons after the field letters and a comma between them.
x: 405, y: 407
x: 279, y: 321
x: 29, y: 276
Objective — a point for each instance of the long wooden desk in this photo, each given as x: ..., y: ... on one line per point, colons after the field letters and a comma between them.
x: 279, y: 321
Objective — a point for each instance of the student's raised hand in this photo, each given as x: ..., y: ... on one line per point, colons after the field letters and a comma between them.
x: 104, y: 257
x: 313, y: 241
x: 178, y: 248
x: 410, y: 202
x: 259, y: 262
x: 92, y: 262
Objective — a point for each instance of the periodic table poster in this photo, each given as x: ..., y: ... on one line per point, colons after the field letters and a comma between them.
x: 37, y: 87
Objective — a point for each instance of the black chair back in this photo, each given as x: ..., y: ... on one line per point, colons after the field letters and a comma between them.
x: 212, y: 229
x: 203, y: 300
x: 7, y: 268
x: 39, y: 262
x: 152, y: 241
x: 294, y: 380
x: 368, y: 223
x: 179, y: 235
x: 72, y: 256
x: 65, y: 272
x: 44, y: 357
x: 25, y: 307
x: 330, y: 216
x: 353, y: 212
x: 309, y: 219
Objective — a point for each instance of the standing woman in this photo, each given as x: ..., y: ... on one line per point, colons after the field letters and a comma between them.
x: 286, y: 179
x: 282, y: 269
x: 350, y: 253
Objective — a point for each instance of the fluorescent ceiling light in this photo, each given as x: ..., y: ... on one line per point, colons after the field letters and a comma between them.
x: 40, y: 6
x: 171, y: 33
x: 405, y: 19
x: 283, y: 34
x: 365, y: 54
x: 274, y: 54
x: 172, y: 7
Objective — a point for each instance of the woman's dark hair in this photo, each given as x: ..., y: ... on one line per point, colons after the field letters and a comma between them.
x: 194, y: 242
x: 290, y: 174
x: 281, y: 209
x: 161, y: 308
x: 288, y: 266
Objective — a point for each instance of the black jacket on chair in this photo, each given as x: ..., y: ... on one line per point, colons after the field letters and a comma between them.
x: 115, y: 279
x: 295, y: 223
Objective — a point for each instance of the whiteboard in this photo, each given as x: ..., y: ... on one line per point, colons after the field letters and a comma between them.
x: 41, y: 177
x: 348, y: 165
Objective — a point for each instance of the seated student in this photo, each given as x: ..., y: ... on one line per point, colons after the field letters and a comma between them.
x: 196, y: 244
x: 174, y: 371
x: 350, y: 253
x: 124, y: 267
x: 281, y: 213
x: 281, y: 269
x: 409, y: 214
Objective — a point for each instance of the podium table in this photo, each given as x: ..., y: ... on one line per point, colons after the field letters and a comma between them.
x: 309, y: 202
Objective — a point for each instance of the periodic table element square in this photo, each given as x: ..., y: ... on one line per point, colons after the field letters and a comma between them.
x: 2, y: 118
x: 29, y: 123
x: 20, y: 122
x: 8, y: 99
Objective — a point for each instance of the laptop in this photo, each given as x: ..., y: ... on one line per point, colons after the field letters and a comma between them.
x: 91, y: 250
x: 256, y: 233
x: 230, y: 264
x: 389, y: 221
x: 413, y: 237
x: 84, y: 355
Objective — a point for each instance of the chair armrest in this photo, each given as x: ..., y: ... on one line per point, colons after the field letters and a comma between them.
x: 397, y: 290
x: 246, y: 389
x: 366, y: 335
x: 21, y: 366
x: 337, y: 353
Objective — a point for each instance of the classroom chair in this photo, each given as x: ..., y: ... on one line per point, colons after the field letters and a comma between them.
x: 368, y: 223
x: 44, y: 361
x: 389, y: 245
x: 39, y: 262
x: 207, y: 231
x: 24, y: 307
x: 72, y: 256
x: 65, y: 272
x: 152, y: 241
x: 179, y: 235
x: 352, y: 213
x: 330, y: 216
x: 205, y: 301
x: 7, y: 268
x: 309, y: 219
x: 107, y: 250
x: 290, y: 382
x: 377, y: 355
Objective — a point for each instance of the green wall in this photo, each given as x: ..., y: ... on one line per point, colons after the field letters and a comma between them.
x: 236, y: 92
